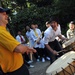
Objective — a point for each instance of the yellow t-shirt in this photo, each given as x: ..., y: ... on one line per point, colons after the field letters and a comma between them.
x: 9, y: 60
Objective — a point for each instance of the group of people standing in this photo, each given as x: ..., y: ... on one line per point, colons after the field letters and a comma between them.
x: 45, y: 43
x: 35, y: 39
x: 12, y: 50
x: 48, y: 43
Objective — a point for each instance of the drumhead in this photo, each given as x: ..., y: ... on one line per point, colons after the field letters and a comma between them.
x: 60, y: 63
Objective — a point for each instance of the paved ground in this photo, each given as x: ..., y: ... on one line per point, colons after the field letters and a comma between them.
x: 40, y: 68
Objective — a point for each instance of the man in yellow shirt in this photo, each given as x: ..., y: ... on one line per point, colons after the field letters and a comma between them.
x: 11, y: 60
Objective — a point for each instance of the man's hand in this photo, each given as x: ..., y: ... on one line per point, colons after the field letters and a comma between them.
x: 55, y: 52
x: 37, y: 41
x: 30, y: 50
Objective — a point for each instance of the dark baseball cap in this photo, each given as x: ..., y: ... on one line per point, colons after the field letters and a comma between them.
x: 4, y: 10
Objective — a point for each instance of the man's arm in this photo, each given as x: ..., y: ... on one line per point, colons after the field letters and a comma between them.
x: 22, y: 49
x: 50, y: 49
x: 46, y: 41
x: 62, y: 38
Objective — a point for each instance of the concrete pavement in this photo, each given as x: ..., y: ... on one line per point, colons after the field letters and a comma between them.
x: 40, y: 68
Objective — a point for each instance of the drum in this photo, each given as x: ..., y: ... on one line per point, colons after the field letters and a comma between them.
x: 70, y: 44
x: 65, y: 65
x: 70, y: 47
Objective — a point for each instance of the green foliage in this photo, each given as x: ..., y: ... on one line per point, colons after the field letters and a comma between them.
x: 65, y: 9
x: 41, y: 3
x: 39, y: 11
x: 31, y: 15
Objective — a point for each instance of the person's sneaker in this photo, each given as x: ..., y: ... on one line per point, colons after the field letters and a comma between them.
x: 47, y: 58
x: 31, y: 66
x: 30, y: 61
x: 37, y: 60
x: 43, y: 60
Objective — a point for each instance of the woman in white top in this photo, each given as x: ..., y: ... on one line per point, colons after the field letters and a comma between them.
x: 29, y: 35
x: 38, y: 45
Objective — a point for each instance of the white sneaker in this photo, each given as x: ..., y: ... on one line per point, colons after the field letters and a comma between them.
x: 31, y: 66
x: 43, y: 60
x: 38, y: 60
x: 30, y: 61
x: 47, y: 58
